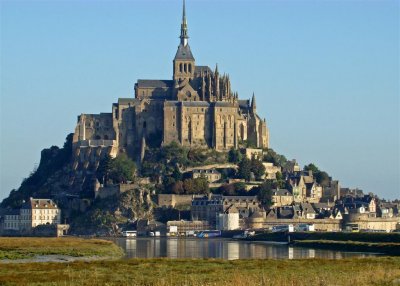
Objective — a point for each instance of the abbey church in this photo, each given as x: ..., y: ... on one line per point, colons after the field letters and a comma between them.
x: 196, y: 108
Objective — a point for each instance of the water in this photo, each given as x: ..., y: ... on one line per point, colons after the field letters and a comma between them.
x: 143, y: 247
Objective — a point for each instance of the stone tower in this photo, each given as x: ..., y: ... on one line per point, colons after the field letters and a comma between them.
x: 184, y: 63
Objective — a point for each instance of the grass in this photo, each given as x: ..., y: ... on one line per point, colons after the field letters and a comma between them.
x: 164, y: 272
x: 390, y: 248
x: 387, y: 243
x: 27, y: 247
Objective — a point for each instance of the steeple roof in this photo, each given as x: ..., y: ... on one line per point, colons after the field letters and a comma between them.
x: 184, y: 53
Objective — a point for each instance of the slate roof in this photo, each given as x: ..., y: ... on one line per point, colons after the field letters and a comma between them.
x: 249, y: 198
x: 281, y: 192
x: 126, y: 100
x: 307, y: 208
x: 12, y: 212
x: 39, y: 204
x: 184, y: 53
x: 205, y: 171
x: 286, y: 212
x: 256, y: 214
x: 272, y: 214
x: 154, y: 83
x: 195, y: 103
x: 244, y: 103
x: 171, y: 103
x: 231, y: 210
x: 199, y: 69
x: 223, y: 104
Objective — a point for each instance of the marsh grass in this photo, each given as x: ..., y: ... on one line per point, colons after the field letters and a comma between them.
x: 390, y: 248
x: 27, y: 247
x: 196, y: 272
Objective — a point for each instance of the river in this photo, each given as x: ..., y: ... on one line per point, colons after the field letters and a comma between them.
x: 144, y: 247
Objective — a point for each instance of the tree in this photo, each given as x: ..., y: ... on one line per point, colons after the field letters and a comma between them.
x: 189, y: 187
x: 196, y: 186
x: 176, y: 174
x: 311, y: 167
x: 177, y: 188
x: 257, y: 168
x: 201, y: 185
x: 240, y: 188
x: 322, y: 178
x: 244, y: 170
x: 264, y: 193
x: 272, y: 157
x: 234, y: 156
x: 103, y: 170
x: 122, y: 169
x: 227, y: 190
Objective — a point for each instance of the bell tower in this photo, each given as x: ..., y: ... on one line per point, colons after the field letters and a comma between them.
x: 184, y: 63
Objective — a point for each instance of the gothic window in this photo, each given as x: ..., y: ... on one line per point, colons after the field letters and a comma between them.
x: 180, y: 67
x: 185, y: 67
x: 190, y: 68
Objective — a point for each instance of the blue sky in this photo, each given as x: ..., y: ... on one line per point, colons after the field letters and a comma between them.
x: 325, y: 74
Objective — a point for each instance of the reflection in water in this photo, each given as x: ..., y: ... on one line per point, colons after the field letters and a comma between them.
x: 143, y: 247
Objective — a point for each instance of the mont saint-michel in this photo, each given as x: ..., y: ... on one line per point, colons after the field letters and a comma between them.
x: 184, y: 167
x: 196, y: 108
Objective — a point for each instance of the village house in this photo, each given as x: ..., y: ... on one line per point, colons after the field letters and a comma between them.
x: 212, y: 175
x: 256, y: 153
x: 271, y: 170
x: 208, y: 207
x: 183, y: 226
x: 229, y: 219
x: 281, y: 197
x: 33, y: 213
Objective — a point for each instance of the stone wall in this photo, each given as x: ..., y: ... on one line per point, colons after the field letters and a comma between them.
x: 320, y: 224
x: 172, y: 200
x: 365, y: 222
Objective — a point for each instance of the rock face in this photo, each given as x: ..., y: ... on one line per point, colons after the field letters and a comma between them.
x: 136, y: 204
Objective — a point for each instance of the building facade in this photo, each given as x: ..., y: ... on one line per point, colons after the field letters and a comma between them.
x: 33, y: 213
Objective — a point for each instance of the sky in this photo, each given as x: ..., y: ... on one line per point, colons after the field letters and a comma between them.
x: 325, y: 74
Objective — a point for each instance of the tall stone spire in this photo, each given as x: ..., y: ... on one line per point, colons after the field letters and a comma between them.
x: 253, y: 103
x: 184, y: 35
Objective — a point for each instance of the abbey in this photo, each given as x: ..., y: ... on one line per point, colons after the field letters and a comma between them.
x: 196, y: 108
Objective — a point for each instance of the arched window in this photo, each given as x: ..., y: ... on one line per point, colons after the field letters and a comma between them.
x: 185, y: 67
x: 180, y: 67
x: 105, y: 137
x: 190, y: 68
x: 144, y: 125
